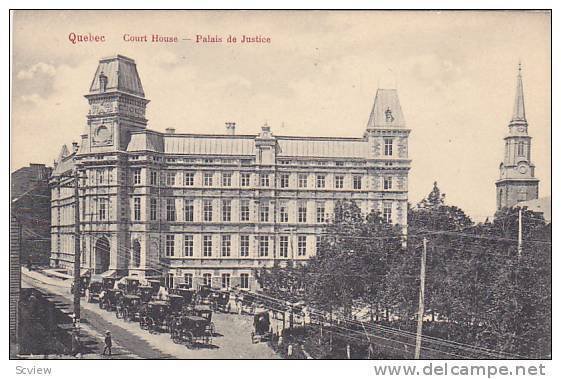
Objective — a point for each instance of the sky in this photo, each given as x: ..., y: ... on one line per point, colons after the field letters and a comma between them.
x: 455, y: 73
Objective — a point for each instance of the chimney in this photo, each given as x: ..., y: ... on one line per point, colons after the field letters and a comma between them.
x: 170, y: 130
x: 231, y: 128
x: 74, y: 146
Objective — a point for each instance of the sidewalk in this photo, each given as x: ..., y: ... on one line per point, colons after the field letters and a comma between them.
x: 40, y: 277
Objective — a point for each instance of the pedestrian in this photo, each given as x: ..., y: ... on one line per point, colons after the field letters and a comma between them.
x: 289, y: 352
x: 108, y: 343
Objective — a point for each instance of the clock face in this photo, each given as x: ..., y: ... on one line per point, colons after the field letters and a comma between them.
x: 523, y: 169
x: 520, y: 129
x: 103, y: 135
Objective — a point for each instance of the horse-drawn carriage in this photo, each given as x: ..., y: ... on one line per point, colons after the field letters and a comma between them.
x: 108, y: 299
x: 146, y: 293
x: 129, y: 308
x: 129, y: 285
x: 192, y: 330
x: 261, y: 327
x: 204, y: 294
x: 155, y: 316
x: 95, y: 286
x: 221, y: 301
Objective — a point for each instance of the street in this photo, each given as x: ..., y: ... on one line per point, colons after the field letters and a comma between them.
x: 232, y: 339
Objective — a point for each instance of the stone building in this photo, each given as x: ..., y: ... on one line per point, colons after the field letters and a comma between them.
x: 210, y: 208
x: 517, y: 181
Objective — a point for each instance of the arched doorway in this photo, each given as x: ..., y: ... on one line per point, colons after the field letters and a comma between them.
x: 102, y: 255
x: 135, y: 254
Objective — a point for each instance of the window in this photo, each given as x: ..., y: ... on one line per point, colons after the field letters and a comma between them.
x: 188, y: 210
x: 263, y: 246
x: 226, y: 210
x: 136, y: 176
x: 189, y: 179
x: 188, y: 245
x: 388, y: 146
x: 135, y: 254
x: 320, y: 181
x: 136, y: 207
x: 168, y: 280
x: 226, y: 179
x: 207, y: 246
x: 319, y: 241
x: 387, y: 213
x: 302, y: 212
x: 244, y: 281
x: 245, y: 179
x: 264, y: 211
x: 170, y: 209
x: 207, y: 279
x: 170, y: 245
x: 339, y: 163
x: 102, y: 209
x: 320, y: 213
x: 302, y: 181
x: 301, y: 246
x: 188, y: 280
x: 226, y: 245
x: 153, y: 178
x: 225, y: 281
x: 388, y: 183
x: 283, y: 212
x: 264, y: 180
x: 207, y: 179
x: 153, y: 209
x: 244, y: 210
x: 283, y: 244
x: 521, y: 149
x: 171, y: 178
x: 207, y: 210
x: 357, y: 182
x: 284, y: 181
x: 339, y: 179
x: 244, y: 246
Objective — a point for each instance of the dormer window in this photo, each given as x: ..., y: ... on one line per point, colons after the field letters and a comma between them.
x: 389, y: 116
x: 102, y: 82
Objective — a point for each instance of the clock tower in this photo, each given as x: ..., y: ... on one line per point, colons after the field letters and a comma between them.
x: 117, y: 106
x: 517, y: 182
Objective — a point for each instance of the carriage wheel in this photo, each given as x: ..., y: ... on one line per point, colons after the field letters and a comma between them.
x: 176, y: 336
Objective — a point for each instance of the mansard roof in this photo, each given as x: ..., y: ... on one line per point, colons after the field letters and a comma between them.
x: 240, y: 145
x: 386, y: 111
x: 121, y: 76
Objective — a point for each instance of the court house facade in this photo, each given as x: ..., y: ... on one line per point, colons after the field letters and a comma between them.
x: 212, y: 208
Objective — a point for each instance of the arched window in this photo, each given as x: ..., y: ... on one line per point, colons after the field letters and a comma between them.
x: 136, y: 254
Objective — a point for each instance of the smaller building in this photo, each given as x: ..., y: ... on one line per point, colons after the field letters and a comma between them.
x: 31, y: 207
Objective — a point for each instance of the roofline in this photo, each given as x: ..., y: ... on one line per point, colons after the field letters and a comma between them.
x: 116, y: 56
x: 252, y: 136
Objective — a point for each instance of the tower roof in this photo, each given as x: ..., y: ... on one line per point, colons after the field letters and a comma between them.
x: 386, y: 111
x: 121, y: 75
x: 519, y: 113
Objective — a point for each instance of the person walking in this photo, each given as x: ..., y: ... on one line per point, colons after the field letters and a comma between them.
x: 108, y: 343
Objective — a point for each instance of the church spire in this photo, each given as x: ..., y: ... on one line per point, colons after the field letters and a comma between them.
x: 519, y: 113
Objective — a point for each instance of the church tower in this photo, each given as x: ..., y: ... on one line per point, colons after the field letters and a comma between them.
x: 517, y: 182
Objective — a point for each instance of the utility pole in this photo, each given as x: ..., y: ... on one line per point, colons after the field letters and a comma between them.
x: 421, y: 302
x: 519, y: 232
x: 76, y: 248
